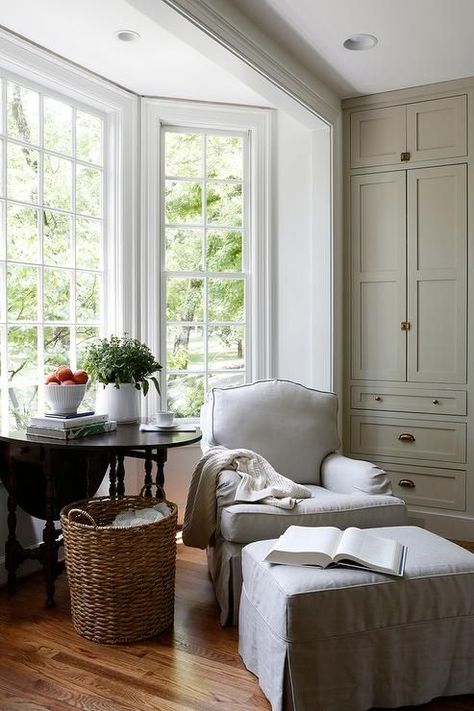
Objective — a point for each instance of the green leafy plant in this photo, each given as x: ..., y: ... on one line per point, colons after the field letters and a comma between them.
x: 120, y: 359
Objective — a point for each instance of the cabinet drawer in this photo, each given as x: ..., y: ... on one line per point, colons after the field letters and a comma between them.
x: 426, y: 486
x: 414, y: 439
x: 435, y: 402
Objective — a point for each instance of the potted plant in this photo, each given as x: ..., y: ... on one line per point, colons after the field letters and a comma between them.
x: 125, y: 367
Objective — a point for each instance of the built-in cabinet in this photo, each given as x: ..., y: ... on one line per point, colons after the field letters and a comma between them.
x: 425, y: 130
x: 407, y: 359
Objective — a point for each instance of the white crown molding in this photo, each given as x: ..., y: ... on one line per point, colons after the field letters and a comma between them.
x: 309, y: 92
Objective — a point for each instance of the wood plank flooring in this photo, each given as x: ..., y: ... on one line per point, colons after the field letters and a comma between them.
x: 46, y: 666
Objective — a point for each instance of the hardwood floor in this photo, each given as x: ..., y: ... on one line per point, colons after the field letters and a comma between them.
x: 46, y: 666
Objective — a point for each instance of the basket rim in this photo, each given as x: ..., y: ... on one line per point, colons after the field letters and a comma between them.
x: 63, y: 514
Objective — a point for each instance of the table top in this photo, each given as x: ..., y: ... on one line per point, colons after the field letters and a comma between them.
x: 125, y: 437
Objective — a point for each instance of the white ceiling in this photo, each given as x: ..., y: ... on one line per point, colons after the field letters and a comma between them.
x: 420, y: 41
x: 160, y: 64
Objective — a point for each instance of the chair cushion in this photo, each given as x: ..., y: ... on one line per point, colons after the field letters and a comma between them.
x: 244, y: 523
x: 292, y: 426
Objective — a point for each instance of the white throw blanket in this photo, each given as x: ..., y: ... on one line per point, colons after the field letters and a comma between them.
x: 259, y: 482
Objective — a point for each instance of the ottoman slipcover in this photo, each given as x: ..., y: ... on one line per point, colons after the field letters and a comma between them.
x: 344, y: 639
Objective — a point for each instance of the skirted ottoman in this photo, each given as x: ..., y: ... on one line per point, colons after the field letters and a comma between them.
x: 345, y: 640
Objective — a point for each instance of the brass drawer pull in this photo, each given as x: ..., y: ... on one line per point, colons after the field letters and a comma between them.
x: 407, y: 483
x: 435, y: 402
x: 378, y: 398
x: 406, y: 437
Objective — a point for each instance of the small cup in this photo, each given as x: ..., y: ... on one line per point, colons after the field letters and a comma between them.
x: 164, y: 418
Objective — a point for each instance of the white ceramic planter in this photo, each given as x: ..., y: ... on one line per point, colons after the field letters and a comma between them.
x: 121, y: 404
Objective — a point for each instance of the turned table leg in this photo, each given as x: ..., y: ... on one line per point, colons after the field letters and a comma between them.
x: 160, y: 471
x: 50, y: 546
x: 120, y: 475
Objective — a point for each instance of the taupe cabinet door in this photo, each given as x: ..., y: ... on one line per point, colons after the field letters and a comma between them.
x: 437, y: 274
x: 378, y: 275
x: 378, y: 136
x: 437, y: 129
x: 408, y: 244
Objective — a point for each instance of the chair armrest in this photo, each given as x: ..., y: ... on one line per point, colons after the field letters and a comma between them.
x: 351, y: 476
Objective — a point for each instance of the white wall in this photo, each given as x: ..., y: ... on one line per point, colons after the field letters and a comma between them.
x: 293, y: 272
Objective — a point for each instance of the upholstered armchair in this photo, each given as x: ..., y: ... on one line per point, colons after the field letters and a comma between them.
x: 295, y: 429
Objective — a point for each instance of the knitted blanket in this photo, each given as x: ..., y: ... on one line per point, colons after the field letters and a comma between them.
x: 259, y: 482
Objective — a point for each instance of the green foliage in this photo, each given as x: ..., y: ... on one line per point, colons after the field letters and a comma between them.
x: 122, y: 360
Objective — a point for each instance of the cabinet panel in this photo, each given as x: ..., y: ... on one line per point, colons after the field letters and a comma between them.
x: 437, y: 274
x: 427, y: 486
x: 414, y: 439
x: 378, y: 136
x: 378, y: 276
x: 433, y: 401
x: 437, y: 129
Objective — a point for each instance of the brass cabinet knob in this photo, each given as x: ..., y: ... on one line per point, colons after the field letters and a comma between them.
x: 435, y: 402
x: 406, y: 483
x: 378, y: 398
x: 406, y: 437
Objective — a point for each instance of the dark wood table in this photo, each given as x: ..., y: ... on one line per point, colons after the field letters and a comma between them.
x: 46, y: 459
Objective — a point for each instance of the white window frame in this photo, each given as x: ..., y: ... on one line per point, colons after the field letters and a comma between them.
x: 188, y: 114
x: 43, y: 71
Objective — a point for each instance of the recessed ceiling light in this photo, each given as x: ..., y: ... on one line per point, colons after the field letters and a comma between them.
x: 360, y: 42
x: 127, y: 35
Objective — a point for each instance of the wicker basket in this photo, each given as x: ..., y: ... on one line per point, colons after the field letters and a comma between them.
x: 121, y: 579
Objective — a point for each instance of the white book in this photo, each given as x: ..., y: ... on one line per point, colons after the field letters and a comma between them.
x: 65, y: 423
x: 325, y: 546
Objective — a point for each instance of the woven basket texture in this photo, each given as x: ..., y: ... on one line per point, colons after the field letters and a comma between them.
x: 121, y: 580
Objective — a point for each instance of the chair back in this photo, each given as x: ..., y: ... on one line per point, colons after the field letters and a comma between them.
x: 292, y: 426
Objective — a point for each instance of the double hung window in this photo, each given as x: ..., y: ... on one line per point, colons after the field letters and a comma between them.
x: 51, y: 240
x: 205, y: 277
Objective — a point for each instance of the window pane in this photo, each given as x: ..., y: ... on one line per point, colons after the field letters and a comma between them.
x: 226, y: 348
x: 224, y: 157
x: 57, y: 185
x: 226, y: 300
x: 224, y: 204
x: 23, y: 353
x: 89, y: 191
x: 57, y: 295
x: 84, y: 337
x: 22, y: 293
x: 88, y: 296
x: 183, y: 202
x: 57, y: 347
x: 23, y: 113
x: 183, y: 155
x: 225, y: 380
x: 183, y: 250
x: 88, y: 243
x: 57, y: 126
x: 22, y: 404
x: 89, y: 137
x: 184, y: 299
x: 22, y: 173
x: 185, y: 394
x: 185, y: 348
x: 57, y: 230
x: 22, y: 233
x: 224, y: 251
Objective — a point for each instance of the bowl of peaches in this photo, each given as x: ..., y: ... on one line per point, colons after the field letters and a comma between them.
x: 65, y: 389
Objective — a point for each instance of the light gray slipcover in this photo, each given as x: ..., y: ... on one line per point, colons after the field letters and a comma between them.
x: 295, y: 428
x: 351, y: 639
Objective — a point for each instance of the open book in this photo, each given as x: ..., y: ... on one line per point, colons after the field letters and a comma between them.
x: 326, y: 546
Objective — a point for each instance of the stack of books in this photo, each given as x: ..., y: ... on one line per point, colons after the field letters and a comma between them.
x: 70, y: 427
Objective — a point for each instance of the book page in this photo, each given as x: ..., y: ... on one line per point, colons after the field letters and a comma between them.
x: 302, y: 545
x: 370, y: 550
